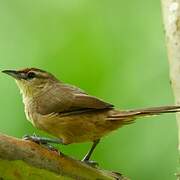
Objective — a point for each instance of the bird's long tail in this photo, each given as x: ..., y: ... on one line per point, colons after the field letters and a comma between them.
x: 130, y: 115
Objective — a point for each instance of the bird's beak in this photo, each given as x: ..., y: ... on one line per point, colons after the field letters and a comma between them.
x: 13, y: 73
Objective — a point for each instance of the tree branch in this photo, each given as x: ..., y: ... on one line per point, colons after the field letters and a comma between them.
x: 171, y: 14
x: 17, y: 154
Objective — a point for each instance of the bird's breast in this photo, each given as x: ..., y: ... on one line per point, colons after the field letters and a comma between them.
x: 30, y: 110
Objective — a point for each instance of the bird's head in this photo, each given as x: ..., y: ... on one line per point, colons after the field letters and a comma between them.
x: 32, y: 81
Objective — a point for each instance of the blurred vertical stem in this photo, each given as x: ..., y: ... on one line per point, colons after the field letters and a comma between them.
x: 171, y: 15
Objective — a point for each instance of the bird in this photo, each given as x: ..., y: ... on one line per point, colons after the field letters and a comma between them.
x: 69, y: 113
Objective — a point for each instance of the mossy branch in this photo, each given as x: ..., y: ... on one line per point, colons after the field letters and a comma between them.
x: 21, y: 159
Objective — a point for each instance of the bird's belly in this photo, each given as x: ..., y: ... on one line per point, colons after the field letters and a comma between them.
x: 77, y: 128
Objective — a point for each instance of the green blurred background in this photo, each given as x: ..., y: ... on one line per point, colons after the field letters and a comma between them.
x: 113, y: 49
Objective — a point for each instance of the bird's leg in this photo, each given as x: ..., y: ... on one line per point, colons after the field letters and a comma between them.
x: 43, y: 141
x: 88, y: 155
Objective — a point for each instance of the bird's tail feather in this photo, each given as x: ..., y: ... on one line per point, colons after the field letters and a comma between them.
x: 132, y: 114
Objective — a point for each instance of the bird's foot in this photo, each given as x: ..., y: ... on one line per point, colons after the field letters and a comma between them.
x: 35, y: 138
x: 43, y: 141
x: 91, y: 163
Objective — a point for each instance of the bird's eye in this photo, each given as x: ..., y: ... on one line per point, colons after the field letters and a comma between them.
x: 31, y: 75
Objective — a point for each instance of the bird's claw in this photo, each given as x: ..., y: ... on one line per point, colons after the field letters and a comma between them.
x: 91, y: 163
x: 34, y: 138
x: 50, y: 147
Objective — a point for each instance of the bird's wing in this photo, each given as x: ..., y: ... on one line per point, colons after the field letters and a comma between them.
x: 64, y: 98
